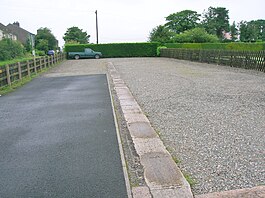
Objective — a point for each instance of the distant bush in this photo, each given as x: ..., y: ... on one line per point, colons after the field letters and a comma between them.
x: 159, y: 49
x: 219, y: 46
x: 40, y: 53
x: 10, y: 49
x: 117, y: 49
x: 196, y: 35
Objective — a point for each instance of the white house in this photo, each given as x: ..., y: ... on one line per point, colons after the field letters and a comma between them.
x: 5, y: 33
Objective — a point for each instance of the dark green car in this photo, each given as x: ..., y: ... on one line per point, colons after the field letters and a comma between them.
x: 88, y: 53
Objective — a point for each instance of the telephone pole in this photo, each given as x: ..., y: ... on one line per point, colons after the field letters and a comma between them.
x: 97, y: 24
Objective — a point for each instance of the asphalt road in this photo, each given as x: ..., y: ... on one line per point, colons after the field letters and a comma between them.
x: 58, y: 139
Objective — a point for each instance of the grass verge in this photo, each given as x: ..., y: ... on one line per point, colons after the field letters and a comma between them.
x: 3, y: 63
x: 19, y: 83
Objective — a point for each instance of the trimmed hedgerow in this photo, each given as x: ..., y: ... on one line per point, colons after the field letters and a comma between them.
x: 117, y: 49
x: 219, y: 46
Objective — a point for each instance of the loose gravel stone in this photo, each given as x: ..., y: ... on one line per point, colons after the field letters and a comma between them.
x: 211, y: 117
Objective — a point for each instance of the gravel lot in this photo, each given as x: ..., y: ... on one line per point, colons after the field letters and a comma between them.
x: 212, y: 118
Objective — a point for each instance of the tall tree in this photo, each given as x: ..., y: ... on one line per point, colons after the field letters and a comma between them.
x: 44, y: 35
x: 74, y: 34
x: 259, y: 27
x: 182, y: 21
x: 216, y: 21
x: 160, y: 34
x: 234, y: 31
x: 252, y: 31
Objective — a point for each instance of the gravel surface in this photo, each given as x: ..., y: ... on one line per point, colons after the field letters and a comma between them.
x: 212, y: 118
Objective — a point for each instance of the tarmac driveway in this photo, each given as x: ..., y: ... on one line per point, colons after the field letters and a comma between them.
x: 58, y: 139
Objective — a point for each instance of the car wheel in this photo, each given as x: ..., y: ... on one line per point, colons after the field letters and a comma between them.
x: 77, y: 57
x: 97, y: 56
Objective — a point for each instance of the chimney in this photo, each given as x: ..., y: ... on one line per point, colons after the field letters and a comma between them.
x: 16, y: 23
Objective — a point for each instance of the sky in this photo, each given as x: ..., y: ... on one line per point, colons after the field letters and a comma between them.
x: 118, y: 20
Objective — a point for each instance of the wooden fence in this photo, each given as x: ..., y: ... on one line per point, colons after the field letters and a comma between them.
x: 17, y: 71
x: 242, y: 59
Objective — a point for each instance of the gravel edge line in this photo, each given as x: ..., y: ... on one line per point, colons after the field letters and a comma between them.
x: 168, y: 181
x: 124, y: 168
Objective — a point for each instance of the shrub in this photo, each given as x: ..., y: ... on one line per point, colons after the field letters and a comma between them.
x: 196, y: 35
x: 159, y: 50
x: 40, y: 53
x: 118, y: 49
x: 10, y: 49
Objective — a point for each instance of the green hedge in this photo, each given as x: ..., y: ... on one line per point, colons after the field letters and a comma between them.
x: 117, y: 49
x: 219, y: 46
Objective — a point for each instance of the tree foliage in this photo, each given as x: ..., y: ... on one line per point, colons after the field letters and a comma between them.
x: 10, y: 49
x: 216, y: 21
x: 45, y: 36
x: 181, y: 21
x: 234, y: 31
x: 196, y: 35
x: 252, y: 31
x: 43, y: 45
x: 74, y: 34
x: 160, y: 34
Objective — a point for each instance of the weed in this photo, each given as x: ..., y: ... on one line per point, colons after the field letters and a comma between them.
x: 176, y: 160
x: 158, y: 133
x: 189, y: 179
x: 146, y: 114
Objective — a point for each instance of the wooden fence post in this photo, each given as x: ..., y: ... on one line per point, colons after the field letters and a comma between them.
x: 8, y: 75
x: 48, y: 63
x: 28, y: 68
x: 35, y: 67
x: 45, y: 64
x: 52, y: 60
x: 19, y: 71
x: 41, y: 66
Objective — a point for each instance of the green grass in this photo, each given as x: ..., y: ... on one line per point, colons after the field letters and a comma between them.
x: 19, y: 83
x: 15, y: 85
x: 3, y: 63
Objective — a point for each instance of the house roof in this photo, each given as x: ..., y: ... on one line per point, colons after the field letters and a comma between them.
x: 22, y: 34
x: 4, y: 28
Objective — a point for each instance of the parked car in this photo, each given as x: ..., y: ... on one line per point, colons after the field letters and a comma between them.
x: 51, y: 52
x: 87, y: 53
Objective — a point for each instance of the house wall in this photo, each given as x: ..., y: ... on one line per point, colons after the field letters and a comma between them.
x: 1, y: 34
x: 4, y: 33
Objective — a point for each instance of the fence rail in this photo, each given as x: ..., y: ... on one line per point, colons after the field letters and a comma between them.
x: 242, y: 59
x: 16, y: 71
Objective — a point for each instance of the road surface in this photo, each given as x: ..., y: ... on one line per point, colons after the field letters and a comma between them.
x: 58, y: 139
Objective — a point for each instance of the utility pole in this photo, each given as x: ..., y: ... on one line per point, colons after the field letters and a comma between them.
x: 97, y: 24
